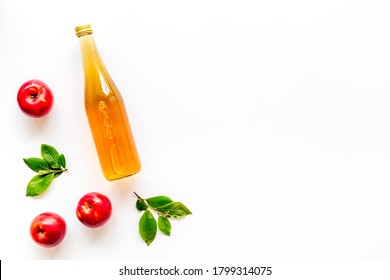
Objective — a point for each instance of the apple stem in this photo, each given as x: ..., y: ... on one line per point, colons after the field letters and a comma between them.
x: 33, y: 96
x: 87, y: 205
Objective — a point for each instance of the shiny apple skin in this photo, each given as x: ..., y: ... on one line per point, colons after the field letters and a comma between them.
x: 35, y: 98
x: 94, y: 209
x: 48, y: 229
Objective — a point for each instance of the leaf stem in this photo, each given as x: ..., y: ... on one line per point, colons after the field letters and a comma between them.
x: 59, y: 170
x: 48, y: 171
x: 139, y: 197
x: 165, y: 214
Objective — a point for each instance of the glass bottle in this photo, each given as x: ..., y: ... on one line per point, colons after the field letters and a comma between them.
x: 106, y: 113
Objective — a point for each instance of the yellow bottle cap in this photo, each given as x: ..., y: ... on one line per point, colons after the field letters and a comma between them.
x: 82, y: 30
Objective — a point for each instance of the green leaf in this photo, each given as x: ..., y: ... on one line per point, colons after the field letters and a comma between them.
x: 158, y: 201
x: 140, y: 205
x: 36, y: 164
x: 147, y: 227
x: 164, y: 225
x: 174, y: 209
x: 62, y: 160
x: 57, y: 174
x: 51, y: 156
x: 38, y: 184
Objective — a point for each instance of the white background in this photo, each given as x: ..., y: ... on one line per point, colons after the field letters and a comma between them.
x: 268, y: 119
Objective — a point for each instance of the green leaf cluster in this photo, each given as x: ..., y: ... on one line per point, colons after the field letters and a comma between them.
x: 165, y: 208
x: 50, y: 166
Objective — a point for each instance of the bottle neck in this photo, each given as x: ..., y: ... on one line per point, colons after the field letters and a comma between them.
x: 90, y: 53
x: 95, y: 73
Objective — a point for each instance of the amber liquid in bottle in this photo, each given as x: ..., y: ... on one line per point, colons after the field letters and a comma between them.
x: 106, y: 113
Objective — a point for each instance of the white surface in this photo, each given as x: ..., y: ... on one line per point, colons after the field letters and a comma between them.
x: 268, y: 119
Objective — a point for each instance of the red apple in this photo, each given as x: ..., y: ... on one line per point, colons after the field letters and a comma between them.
x: 35, y: 98
x: 94, y: 209
x: 48, y: 229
